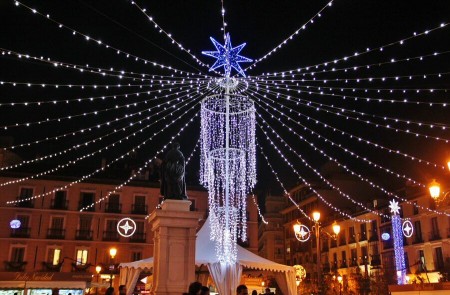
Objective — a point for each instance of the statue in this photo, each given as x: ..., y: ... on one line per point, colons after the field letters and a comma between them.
x: 173, y: 185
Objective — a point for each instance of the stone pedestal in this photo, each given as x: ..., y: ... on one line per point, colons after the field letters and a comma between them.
x: 174, y: 228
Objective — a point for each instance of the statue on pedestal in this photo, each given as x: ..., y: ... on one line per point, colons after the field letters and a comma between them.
x: 173, y: 185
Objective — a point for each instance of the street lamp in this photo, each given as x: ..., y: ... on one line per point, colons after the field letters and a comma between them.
x: 339, y: 278
x: 112, y: 253
x: 98, y: 269
x: 302, y: 234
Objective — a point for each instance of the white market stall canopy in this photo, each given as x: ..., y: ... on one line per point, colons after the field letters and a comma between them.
x: 205, y: 255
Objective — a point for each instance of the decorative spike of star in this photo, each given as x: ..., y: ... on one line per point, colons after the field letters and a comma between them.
x: 227, y: 56
x: 395, y: 208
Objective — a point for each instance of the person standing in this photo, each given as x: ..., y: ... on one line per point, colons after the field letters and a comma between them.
x: 242, y: 290
x: 122, y: 290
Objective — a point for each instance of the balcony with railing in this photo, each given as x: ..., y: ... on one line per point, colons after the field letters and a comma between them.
x: 59, y: 204
x: 417, y: 239
x: 83, y: 235
x: 352, y: 239
x: 362, y: 237
x: 376, y: 260
x: 354, y: 262
x: 110, y: 236
x: 23, y: 232
x: 138, y: 238
x: 326, y: 267
x: 343, y: 264
x: 17, y: 266
x: 113, y: 207
x: 24, y: 203
x: 434, y: 235
x: 56, y: 233
x: 139, y: 209
x: 50, y: 267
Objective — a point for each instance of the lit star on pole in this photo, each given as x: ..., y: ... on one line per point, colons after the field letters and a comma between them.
x: 227, y: 56
x: 394, y: 207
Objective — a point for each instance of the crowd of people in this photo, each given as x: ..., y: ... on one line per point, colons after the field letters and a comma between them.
x: 196, y: 288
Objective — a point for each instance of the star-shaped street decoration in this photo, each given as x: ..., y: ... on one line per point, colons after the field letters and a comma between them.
x: 407, y: 228
x: 395, y: 208
x: 303, y: 234
x: 123, y: 227
x: 227, y: 56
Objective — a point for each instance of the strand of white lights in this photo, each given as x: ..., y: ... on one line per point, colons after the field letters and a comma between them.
x: 107, y: 123
x: 224, y: 24
x: 257, y: 208
x: 101, y: 43
x: 188, y: 160
x: 290, y: 37
x: 107, y: 147
x: 366, y: 51
x: 162, y: 31
x: 54, y: 101
x: 348, y: 197
x: 391, y: 61
x: 95, y: 113
x: 114, y: 191
x: 371, y: 79
x: 286, y: 193
x: 344, y: 110
x: 87, y: 176
x: 375, y: 185
x: 349, y: 135
x: 334, y: 144
x: 111, y: 72
x: 297, y: 86
x: 303, y: 180
x: 322, y: 108
x: 116, y: 130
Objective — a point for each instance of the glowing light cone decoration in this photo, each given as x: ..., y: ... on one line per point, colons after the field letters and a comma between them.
x: 399, y: 251
x: 227, y: 161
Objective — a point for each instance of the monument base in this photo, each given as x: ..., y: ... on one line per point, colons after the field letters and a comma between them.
x: 174, y: 228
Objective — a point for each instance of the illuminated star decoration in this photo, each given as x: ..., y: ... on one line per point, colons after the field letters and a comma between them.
x: 227, y: 56
x: 394, y: 207
x: 126, y: 227
x: 407, y: 228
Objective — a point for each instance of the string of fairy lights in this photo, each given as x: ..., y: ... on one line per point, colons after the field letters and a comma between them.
x: 283, y: 101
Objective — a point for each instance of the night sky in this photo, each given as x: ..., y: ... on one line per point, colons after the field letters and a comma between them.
x: 348, y: 26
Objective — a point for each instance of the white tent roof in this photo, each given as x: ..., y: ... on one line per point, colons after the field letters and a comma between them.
x: 205, y: 254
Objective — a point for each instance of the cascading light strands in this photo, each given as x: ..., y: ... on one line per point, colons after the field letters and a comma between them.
x: 399, y: 251
x: 227, y: 156
x: 227, y: 170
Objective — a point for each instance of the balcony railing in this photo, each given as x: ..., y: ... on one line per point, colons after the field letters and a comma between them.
x: 86, y: 207
x: 326, y: 268
x: 373, y: 237
x: 56, y: 233
x: 110, y: 236
x: 50, y: 267
x: 343, y: 265
x: 433, y: 236
x: 24, y: 204
x: 138, y: 238
x: 376, y: 260
x: 59, y: 205
x: 23, y: 232
x: 139, y: 209
x: 351, y: 240
x: 354, y: 262
x: 15, y: 265
x: 113, y: 208
x: 363, y: 237
x: 84, y: 235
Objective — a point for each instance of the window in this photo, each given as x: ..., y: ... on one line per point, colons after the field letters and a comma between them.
x: 17, y: 254
x: 364, y: 254
x: 408, y: 270
x: 85, y: 223
x: 136, y: 255
x: 335, y: 259
x: 57, y: 222
x: 363, y: 232
x: 354, y: 257
x: 422, y: 263
x: 25, y: 193
x: 56, y: 230
x: 59, y: 200
x: 86, y: 201
x: 418, y: 231
x: 351, y: 234
x: 344, y: 259
x: 434, y: 229
x: 53, y: 255
x: 415, y: 208
x: 439, y: 259
x: 342, y: 238
x: 82, y: 256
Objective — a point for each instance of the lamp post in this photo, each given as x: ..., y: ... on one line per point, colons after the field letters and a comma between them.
x: 112, y: 253
x: 98, y: 269
x: 298, y: 231
x: 339, y: 278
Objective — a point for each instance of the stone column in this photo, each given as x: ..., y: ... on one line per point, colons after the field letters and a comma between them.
x: 174, y: 228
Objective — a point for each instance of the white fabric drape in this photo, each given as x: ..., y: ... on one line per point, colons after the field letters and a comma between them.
x: 129, y: 277
x: 226, y: 277
x: 286, y: 282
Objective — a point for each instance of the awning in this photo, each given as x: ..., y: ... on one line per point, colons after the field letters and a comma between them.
x: 12, y: 284
x: 57, y: 284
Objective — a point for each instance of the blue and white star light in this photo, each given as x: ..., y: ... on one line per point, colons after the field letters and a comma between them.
x: 399, y: 251
x: 227, y: 56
